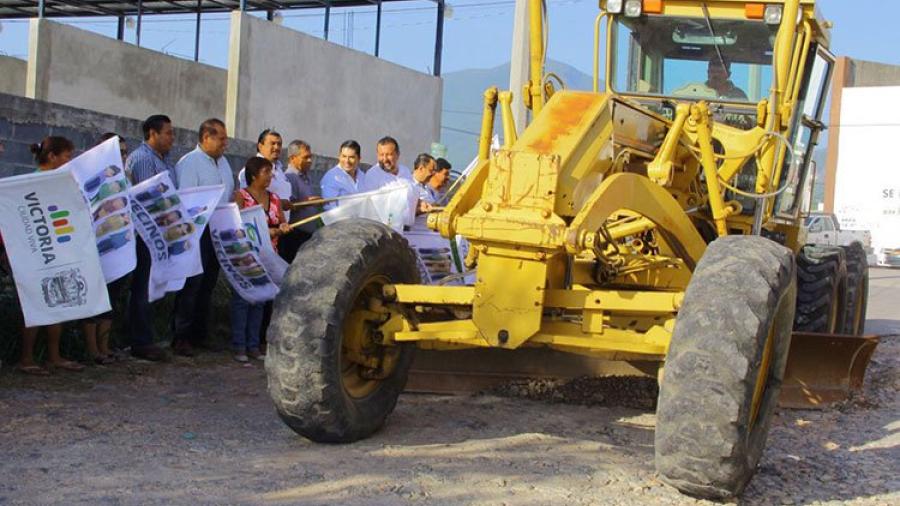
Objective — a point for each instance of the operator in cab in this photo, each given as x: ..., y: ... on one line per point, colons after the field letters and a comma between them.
x: 718, y: 78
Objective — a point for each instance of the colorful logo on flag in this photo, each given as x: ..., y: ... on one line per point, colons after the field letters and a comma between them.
x: 61, y: 224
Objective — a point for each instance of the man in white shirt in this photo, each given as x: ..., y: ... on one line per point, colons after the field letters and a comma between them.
x: 388, y: 169
x: 345, y: 178
x: 204, y: 166
x: 268, y: 146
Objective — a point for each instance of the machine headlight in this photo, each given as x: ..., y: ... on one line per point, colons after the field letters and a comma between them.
x: 773, y: 15
x: 614, y: 6
x: 632, y: 8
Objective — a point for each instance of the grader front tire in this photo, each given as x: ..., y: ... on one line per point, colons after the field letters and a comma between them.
x: 321, y: 338
x: 725, y: 366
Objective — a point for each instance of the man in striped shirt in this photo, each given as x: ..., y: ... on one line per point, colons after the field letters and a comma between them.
x: 148, y: 160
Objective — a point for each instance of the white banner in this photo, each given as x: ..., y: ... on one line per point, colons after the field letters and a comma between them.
x: 393, y: 204
x: 166, y: 228
x: 254, y: 218
x: 238, y: 246
x: 200, y: 203
x: 48, y: 233
x: 102, y: 180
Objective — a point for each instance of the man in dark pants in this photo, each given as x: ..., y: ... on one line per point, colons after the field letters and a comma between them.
x: 204, y: 166
x: 190, y: 321
x: 148, y: 160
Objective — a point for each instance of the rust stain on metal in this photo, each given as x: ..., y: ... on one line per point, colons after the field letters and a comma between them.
x: 564, y: 117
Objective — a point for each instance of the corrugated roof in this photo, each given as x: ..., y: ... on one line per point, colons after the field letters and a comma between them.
x: 86, y: 8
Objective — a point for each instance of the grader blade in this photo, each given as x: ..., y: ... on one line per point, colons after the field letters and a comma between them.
x: 467, y: 371
x: 824, y: 369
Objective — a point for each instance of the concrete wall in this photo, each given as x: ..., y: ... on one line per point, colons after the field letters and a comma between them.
x: 324, y: 93
x: 24, y: 121
x: 12, y: 75
x: 82, y: 69
x: 867, y: 73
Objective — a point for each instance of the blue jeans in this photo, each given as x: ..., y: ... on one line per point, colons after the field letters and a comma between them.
x: 246, y: 322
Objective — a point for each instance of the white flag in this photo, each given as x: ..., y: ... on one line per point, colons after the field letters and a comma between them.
x: 200, y: 203
x: 254, y: 219
x: 238, y: 245
x: 102, y: 180
x: 393, y: 204
x: 166, y: 228
x: 49, y: 238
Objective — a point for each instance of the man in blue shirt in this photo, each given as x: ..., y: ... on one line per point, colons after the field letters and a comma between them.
x: 345, y: 178
x: 206, y: 165
x: 148, y: 160
x: 299, y: 162
x: 424, y: 169
x: 440, y: 180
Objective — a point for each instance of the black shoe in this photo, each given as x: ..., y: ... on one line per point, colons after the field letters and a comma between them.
x: 183, y: 349
x: 149, y: 352
x: 213, y: 346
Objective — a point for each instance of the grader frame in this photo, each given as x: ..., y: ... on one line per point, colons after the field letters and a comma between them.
x: 534, y: 205
x: 621, y: 225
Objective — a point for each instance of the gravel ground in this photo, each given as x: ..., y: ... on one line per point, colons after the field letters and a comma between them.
x: 202, y: 431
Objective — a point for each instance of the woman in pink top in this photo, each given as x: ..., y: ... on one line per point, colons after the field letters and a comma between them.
x: 247, y: 318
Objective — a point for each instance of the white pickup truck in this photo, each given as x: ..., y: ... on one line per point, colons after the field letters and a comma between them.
x: 824, y: 229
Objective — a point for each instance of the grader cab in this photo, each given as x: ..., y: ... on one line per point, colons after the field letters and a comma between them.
x: 654, y: 219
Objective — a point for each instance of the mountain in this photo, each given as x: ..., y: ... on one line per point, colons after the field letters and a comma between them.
x: 463, y: 95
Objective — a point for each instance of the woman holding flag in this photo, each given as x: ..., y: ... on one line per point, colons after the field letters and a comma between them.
x: 50, y: 154
x: 246, y: 317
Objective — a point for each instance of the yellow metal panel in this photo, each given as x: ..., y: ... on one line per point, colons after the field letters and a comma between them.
x: 564, y: 334
x: 516, y: 205
x: 434, y: 295
x: 508, y: 296
x: 567, y: 336
x: 574, y: 126
x: 454, y: 331
x: 619, y: 301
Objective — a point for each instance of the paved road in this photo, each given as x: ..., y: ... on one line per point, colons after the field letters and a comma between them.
x: 203, y: 432
x: 883, y: 315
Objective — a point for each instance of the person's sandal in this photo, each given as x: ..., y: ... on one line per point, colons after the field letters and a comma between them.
x: 33, y: 370
x: 68, y: 365
x: 104, y: 359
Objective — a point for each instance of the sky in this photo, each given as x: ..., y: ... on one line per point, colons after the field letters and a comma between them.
x: 477, y: 33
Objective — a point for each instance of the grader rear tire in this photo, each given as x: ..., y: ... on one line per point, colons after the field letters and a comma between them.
x: 725, y: 366
x: 857, y: 299
x: 821, y: 289
x: 323, y: 323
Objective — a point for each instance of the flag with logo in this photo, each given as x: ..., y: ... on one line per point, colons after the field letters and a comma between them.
x: 200, y: 202
x: 48, y: 233
x: 102, y: 180
x: 255, y: 218
x: 166, y: 228
x: 238, y: 244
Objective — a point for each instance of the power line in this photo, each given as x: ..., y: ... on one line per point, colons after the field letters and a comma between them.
x: 460, y: 130
x: 457, y: 111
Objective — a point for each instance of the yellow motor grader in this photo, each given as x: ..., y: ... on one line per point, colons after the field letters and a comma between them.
x: 654, y: 219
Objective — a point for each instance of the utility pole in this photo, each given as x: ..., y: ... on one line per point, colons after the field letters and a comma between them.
x: 518, y: 65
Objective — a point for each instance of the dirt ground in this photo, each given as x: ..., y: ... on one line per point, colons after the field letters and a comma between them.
x: 203, y: 431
